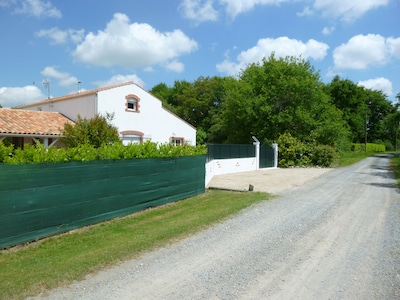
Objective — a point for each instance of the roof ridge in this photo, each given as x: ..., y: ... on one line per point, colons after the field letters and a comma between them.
x: 75, y: 95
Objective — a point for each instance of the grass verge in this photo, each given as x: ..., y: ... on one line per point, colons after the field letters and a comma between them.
x: 349, y: 158
x: 395, y: 166
x: 60, y: 260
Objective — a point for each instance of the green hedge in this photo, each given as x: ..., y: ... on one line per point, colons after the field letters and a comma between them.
x: 371, y: 148
x: 39, y: 154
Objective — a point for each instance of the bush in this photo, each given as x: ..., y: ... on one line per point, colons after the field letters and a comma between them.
x: 5, y: 151
x: 323, y: 156
x: 292, y: 152
x: 96, y: 132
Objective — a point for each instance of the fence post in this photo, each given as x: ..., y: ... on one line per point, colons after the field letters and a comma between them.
x: 275, y: 147
x: 257, y: 144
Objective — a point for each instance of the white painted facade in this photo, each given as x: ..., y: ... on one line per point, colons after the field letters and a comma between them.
x: 148, y: 121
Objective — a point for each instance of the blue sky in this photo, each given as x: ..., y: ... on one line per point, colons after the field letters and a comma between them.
x: 102, y: 42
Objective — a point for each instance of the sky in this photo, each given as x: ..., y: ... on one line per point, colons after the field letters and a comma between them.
x: 57, y: 47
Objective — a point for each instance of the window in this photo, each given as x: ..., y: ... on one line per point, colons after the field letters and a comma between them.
x: 132, y: 137
x: 132, y: 103
x: 177, y: 141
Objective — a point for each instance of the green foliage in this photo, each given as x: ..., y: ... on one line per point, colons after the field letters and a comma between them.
x: 283, y: 95
x: 5, y: 151
x: 371, y: 148
x: 36, y: 153
x: 323, y: 156
x: 367, y: 113
x: 292, y: 152
x: 39, y: 154
x: 278, y: 96
x: 96, y: 132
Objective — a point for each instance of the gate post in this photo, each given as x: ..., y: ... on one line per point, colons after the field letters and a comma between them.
x: 275, y: 147
x: 257, y: 144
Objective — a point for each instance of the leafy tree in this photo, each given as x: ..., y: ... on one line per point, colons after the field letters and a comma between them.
x: 351, y: 100
x: 280, y: 96
x: 367, y: 112
x: 197, y: 102
x: 165, y: 94
x: 95, y: 132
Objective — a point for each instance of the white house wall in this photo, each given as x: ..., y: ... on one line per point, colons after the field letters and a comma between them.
x: 156, y: 123
x: 85, y: 106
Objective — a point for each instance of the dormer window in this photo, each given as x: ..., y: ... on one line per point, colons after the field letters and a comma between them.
x: 132, y: 103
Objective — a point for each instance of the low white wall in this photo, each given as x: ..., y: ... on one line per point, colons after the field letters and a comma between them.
x: 226, y: 166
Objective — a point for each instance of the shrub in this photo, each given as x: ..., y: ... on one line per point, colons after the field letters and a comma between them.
x: 5, y: 151
x: 96, y: 132
x: 39, y: 154
x: 323, y: 155
x: 292, y: 152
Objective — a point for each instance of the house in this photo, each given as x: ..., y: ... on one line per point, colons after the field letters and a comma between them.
x: 26, y: 127
x: 138, y: 115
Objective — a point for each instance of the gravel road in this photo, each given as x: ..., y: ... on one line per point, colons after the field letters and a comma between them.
x: 334, y: 237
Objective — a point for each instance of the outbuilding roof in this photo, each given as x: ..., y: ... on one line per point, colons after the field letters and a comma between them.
x: 15, y: 122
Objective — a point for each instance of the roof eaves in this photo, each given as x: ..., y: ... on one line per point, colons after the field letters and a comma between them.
x: 73, y: 96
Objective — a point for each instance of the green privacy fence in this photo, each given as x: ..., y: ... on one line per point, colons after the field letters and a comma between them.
x: 227, y: 151
x: 40, y: 200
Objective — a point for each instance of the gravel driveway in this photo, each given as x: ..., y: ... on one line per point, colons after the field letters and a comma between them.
x: 334, y: 237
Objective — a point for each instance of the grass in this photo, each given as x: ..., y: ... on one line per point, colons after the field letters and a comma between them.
x: 57, y: 261
x: 395, y: 166
x: 349, y: 158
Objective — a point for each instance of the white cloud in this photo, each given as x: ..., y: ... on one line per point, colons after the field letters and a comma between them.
x: 281, y: 47
x: 378, y: 84
x: 64, y: 79
x: 394, y: 46
x: 362, y: 51
x: 39, y: 9
x: 234, y: 8
x: 198, y: 11
x: 328, y: 30
x: 5, y: 3
x: 345, y: 10
x: 116, y: 79
x: 58, y: 36
x: 175, y: 66
x: 14, y: 96
x: 132, y: 45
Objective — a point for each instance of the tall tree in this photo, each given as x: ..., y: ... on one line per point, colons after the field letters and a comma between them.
x: 278, y: 96
x: 352, y: 102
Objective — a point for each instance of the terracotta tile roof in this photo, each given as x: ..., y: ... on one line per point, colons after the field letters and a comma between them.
x: 71, y: 96
x: 30, y: 122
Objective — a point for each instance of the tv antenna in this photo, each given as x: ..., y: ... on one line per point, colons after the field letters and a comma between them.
x: 46, y: 84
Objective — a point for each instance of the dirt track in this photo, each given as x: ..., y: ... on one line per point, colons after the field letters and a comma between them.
x: 334, y: 237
